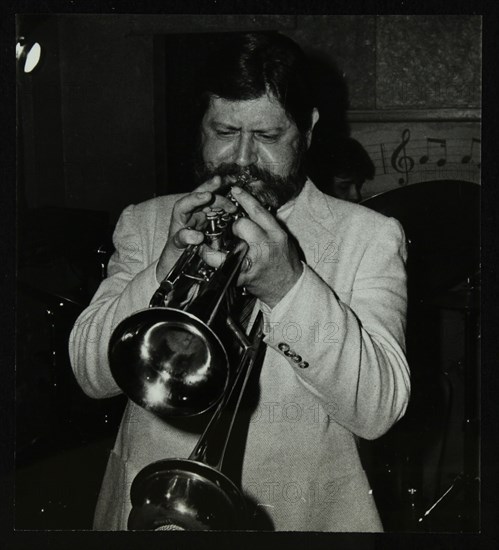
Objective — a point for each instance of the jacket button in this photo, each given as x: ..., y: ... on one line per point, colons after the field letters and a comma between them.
x: 289, y: 353
x: 303, y: 365
x: 283, y: 347
x: 296, y: 358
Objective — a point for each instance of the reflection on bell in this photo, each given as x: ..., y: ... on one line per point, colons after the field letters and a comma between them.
x: 168, y: 362
x: 183, y: 494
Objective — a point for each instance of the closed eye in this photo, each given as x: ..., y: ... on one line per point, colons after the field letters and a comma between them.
x: 268, y: 137
x: 226, y: 133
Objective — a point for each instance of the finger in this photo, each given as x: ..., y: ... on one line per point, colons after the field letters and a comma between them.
x: 218, y: 201
x: 249, y: 231
x: 247, y: 264
x: 197, y: 220
x: 214, y: 258
x: 211, y: 185
x: 186, y: 206
x: 187, y: 236
x: 223, y: 202
x: 255, y: 210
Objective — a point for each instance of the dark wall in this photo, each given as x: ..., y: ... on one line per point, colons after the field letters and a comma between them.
x: 91, y: 116
x: 40, y: 145
x: 107, y: 111
x: 400, y: 61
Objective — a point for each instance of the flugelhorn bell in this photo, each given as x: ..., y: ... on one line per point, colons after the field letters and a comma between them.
x: 168, y: 358
x: 194, y: 493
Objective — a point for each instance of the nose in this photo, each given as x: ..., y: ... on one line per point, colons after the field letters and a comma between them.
x: 354, y: 193
x: 245, y: 153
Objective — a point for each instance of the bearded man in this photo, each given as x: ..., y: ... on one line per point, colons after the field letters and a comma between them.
x: 331, y: 287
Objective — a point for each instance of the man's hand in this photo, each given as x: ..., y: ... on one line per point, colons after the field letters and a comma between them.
x: 188, y: 221
x: 273, y: 265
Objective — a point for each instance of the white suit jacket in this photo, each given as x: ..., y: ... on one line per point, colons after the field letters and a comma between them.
x: 345, y: 322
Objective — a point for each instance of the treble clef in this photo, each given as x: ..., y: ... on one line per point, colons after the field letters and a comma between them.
x: 403, y: 164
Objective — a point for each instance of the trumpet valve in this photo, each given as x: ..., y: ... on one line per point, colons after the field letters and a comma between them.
x: 214, y: 232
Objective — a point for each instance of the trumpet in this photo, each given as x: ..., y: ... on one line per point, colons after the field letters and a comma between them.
x: 171, y: 360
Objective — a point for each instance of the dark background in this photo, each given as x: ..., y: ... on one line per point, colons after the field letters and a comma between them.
x: 101, y: 117
x: 98, y: 123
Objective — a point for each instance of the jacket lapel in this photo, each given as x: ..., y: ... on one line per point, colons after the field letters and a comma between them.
x: 312, y: 222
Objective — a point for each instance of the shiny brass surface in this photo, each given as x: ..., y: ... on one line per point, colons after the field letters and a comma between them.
x: 167, y: 358
x: 169, y: 362
x: 171, y: 359
x: 176, y: 494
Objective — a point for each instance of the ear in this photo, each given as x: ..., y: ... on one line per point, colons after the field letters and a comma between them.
x: 315, y: 118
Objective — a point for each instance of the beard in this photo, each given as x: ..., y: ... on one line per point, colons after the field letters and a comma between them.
x: 270, y: 189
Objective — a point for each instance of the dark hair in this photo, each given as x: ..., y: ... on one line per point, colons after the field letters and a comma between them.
x: 344, y: 156
x: 248, y: 65
x: 350, y: 157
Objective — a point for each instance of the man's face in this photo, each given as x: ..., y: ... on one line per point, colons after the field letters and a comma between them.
x: 347, y: 188
x: 257, y: 136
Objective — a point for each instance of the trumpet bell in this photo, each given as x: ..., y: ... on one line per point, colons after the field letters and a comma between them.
x: 169, y: 362
x: 185, y: 495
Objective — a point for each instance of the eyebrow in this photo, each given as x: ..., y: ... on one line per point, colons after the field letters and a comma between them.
x: 215, y: 124
x: 273, y: 129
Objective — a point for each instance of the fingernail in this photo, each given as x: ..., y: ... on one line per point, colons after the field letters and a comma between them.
x: 202, y: 195
x: 236, y: 190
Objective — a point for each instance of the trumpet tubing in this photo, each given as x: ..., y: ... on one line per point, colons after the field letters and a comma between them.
x: 171, y: 360
x: 167, y: 358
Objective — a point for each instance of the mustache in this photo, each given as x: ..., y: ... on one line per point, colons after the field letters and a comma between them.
x: 270, y: 189
x: 233, y: 174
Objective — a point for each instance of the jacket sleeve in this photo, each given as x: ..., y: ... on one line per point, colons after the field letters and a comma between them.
x: 128, y: 288
x: 351, y: 357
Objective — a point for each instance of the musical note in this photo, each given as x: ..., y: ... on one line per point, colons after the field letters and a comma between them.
x: 469, y: 158
x: 403, y: 164
x: 442, y: 143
